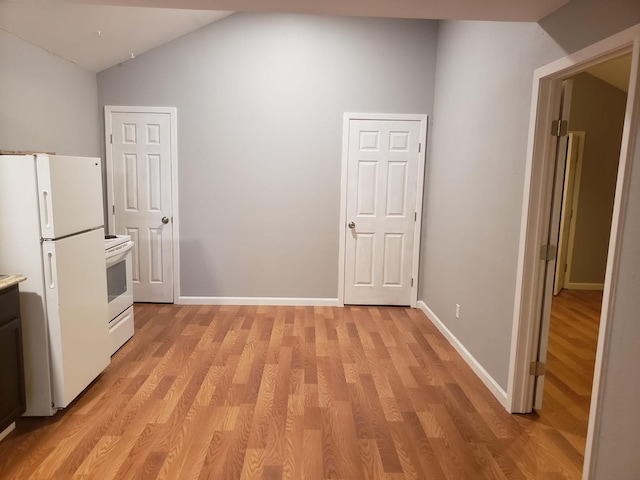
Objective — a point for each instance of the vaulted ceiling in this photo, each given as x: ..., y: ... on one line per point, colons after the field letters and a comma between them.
x: 97, y: 34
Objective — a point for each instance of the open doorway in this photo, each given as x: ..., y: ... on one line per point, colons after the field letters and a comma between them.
x: 536, y: 263
x: 595, y: 125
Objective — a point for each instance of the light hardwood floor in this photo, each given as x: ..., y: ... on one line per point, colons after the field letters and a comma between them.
x: 225, y: 392
x: 571, y: 355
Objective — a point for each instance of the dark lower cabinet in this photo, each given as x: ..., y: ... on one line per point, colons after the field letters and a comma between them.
x: 12, y: 395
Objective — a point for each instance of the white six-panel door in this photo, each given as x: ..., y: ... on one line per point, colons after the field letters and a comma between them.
x: 382, y: 186
x: 141, y: 177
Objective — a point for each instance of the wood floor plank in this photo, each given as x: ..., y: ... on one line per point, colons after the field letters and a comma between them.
x: 411, y: 465
x: 214, y: 462
x: 294, y: 440
x: 275, y: 448
x: 573, y: 338
x: 190, y: 464
x: 253, y: 464
x: 313, y: 465
x: 372, y: 468
x: 96, y: 455
x: 314, y: 393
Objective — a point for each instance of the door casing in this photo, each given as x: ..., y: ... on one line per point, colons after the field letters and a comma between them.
x: 175, y: 224
x: 423, y: 119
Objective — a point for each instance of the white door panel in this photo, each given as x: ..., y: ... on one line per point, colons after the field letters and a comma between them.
x: 70, y: 194
x: 141, y: 169
x: 382, y: 185
x: 554, y: 231
x: 76, y: 296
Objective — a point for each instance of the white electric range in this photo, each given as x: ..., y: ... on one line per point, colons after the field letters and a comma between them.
x: 118, y: 252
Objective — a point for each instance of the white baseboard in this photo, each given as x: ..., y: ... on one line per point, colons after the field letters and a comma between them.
x: 305, y: 302
x: 584, y: 286
x: 478, y: 369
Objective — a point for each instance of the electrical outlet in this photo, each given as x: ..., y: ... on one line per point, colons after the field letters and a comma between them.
x: 457, y: 310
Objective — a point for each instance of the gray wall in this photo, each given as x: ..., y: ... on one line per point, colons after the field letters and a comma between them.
x: 46, y: 102
x: 260, y: 100
x: 597, y: 109
x: 473, y: 201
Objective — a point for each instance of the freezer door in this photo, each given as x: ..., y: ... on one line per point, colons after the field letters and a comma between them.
x: 76, y: 295
x: 70, y: 194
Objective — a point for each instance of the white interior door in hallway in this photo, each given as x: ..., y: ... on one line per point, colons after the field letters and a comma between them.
x: 384, y: 184
x: 140, y: 163
x: 566, y: 237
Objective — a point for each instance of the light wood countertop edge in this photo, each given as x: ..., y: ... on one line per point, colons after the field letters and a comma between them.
x: 11, y: 280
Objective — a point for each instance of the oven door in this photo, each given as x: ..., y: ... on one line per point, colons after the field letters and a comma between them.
x: 119, y: 279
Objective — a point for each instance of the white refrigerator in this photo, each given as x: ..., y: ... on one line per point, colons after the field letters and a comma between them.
x: 52, y: 231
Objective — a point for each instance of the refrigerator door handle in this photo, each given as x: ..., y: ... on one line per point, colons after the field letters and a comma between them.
x: 51, y: 267
x: 46, y: 203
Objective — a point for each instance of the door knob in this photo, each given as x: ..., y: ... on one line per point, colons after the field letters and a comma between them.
x: 165, y: 220
x: 352, y: 225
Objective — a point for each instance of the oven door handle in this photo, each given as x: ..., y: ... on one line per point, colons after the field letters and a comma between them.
x: 119, y: 250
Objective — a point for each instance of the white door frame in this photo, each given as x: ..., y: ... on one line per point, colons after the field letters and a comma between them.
x: 175, y: 224
x: 535, y: 221
x: 343, y: 193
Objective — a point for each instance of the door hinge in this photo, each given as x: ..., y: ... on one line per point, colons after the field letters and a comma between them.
x: 559, y: 128
x: 548, y: 252
x: 415, y: 216
x: 113, y: 209
x: 537, y: 369
x: 419, y: 147
x: 412, y: 282
x: 111, y: 138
